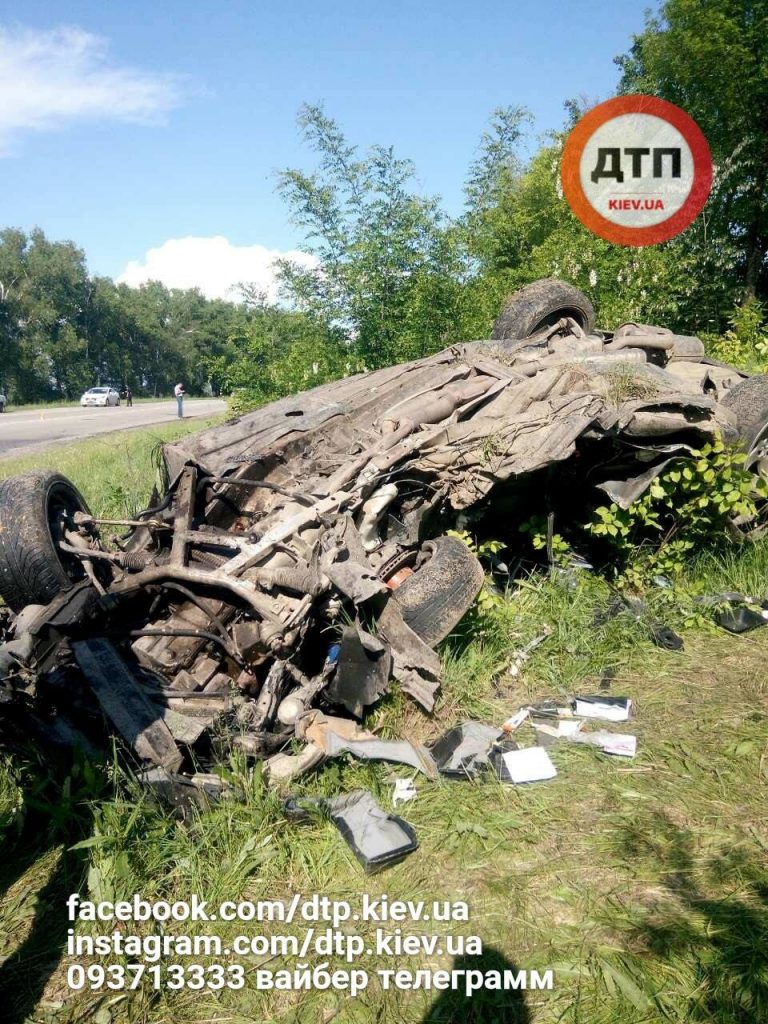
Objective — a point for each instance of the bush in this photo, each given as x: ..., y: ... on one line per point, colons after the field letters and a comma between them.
x: 745, y: 344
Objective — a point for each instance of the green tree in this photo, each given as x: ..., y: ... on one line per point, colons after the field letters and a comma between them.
x: 389, y: 271
x: 41, y: 308
x: 711, y: 58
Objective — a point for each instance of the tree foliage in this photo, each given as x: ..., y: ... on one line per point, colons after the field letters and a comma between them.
x: 390, y: 271
x: 396, y: 278
x: 710, y: 57
x: 62, y: 331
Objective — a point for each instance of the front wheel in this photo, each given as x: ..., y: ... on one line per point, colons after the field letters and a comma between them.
x: 441, y: 590
x: 33, y: 506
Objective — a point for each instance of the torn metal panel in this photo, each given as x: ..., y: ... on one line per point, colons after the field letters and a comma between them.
x: 415, y: 665
x: 335, y: 736
x: 625, y: 491
x: 464, y: 749
x: 362, y: 674
x: 125, y: 703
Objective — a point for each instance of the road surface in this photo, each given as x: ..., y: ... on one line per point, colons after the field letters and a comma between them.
x: 37, y: 429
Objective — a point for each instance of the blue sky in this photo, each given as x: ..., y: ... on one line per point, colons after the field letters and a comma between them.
x: 124, y: 126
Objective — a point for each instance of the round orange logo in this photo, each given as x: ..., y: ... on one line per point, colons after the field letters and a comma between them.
x: 636, y: 170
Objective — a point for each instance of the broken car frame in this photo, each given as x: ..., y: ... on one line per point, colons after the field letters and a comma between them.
x: 299, y: 557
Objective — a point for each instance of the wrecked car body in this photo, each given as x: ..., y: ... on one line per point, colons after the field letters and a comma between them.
x: 300, y: 557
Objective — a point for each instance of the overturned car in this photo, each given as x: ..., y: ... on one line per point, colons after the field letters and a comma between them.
x: 300, y: 557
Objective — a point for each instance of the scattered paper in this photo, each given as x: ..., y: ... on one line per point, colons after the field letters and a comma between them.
x: 565, y: 727
x: 610, y: 709
x: 532, y: 764
x: 405, y: 790
x: 621, y: 744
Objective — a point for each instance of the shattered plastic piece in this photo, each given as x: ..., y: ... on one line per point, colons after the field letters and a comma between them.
x: 335, y: 736
x: 362, y: 674
x: 602, y: 706
x: 661, y: 635
x: 333, y: 654
x: 531, y: 764
x: 376, y: 837
x: 665, y: 637
x: 404, y: 791
x: 516, y: 720
x: 182, y: 792
x: 549, y: 709
x: 463, y: 750
x: 520, y: 657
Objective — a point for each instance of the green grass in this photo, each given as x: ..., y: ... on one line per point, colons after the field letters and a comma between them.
x: 643, y: 883
x: 116, y: 472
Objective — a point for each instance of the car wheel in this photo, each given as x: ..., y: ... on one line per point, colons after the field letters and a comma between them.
x: 748, y: 400
x: 32, y: 568
x: 540, y: 305
x: 441, y: 590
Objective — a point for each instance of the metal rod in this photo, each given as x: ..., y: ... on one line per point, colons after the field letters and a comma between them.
x: 302, y: 499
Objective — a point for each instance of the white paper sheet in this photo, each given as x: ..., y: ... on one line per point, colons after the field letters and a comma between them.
x: 532, y: 764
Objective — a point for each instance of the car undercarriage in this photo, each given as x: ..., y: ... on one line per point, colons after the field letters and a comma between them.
x: 304, y: 555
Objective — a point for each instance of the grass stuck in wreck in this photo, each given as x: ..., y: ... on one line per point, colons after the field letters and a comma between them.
x: 640, y: 883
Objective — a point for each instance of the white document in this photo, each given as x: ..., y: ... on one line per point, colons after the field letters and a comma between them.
x: 532, y: 764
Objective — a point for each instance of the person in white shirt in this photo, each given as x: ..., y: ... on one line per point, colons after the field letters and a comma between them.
x: 179, y: 394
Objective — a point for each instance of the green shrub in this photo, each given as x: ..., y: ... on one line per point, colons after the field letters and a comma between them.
x: 745, y: 344
x: 693, y: 503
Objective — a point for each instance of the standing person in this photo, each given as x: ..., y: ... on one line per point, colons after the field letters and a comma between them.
x: 128, y: 396
x: 179, y: 393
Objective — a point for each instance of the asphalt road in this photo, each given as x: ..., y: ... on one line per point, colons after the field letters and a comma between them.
x: 38, y: 429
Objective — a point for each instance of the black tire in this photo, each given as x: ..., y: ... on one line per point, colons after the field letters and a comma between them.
x: 748, y: 400
x: 441, y: 590
x: 32, y: 570
x: 542, y: 304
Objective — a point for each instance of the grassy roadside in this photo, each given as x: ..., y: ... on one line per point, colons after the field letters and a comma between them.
x: 75, y: 403
x: 114, y: 472
x: 642, y: 883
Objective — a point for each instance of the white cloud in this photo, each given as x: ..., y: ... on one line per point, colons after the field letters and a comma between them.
x: 50, y: 78
x: 213, y: 265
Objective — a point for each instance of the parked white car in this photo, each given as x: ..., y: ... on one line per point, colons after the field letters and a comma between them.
x: 3, y: 401
x: 100, y: 396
